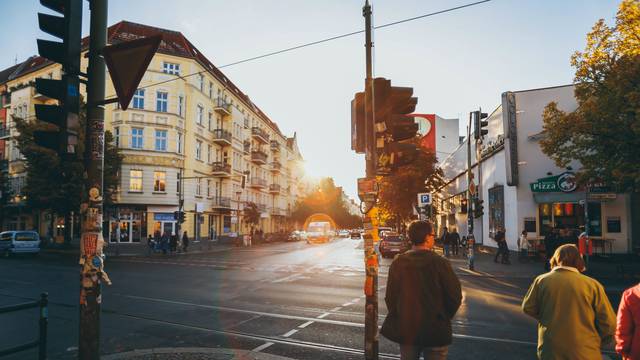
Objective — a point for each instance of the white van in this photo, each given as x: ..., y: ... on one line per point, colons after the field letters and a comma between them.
x: 19, y: 242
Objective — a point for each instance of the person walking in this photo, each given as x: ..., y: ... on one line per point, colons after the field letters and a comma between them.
x: 423, y: 294
x: 574, y: 315
x: 446, y: 241
x: 628, y: 326
x: 185, y: 241
x: 523, y: 245
x: 503, y: 249
x: 164, y: 240
x: 150, y: 244
x: 455, y: 242
x: 550, y: 246
x: 173, y: 243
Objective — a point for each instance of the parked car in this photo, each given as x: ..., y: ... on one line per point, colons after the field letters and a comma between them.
x: 355, y: 235
x: 343, y: 233
x: 297, y: 236
x: 19, y: 242
x: 392, y: 244
x: 275, y: 237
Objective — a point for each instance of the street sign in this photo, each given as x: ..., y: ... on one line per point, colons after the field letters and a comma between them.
x: 127, y: 63
x: 424, y: 199
x: 367, y: 186
x: 472, y: 188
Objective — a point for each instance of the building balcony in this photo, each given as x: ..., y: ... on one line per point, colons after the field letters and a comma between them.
x: 257, y: 183
x: 259, y: 157
x: 222, y: 107
x: 262, y: 207
x: 260, y: 135
x: 274, y: 188
x: 222, y: 137
x: 276, y: 166
x: 275, y: 146
x: 220, y: 202
x: 4, y: 133
x: 247, y: 147
x: 220, y: 168
x: 276, y: 211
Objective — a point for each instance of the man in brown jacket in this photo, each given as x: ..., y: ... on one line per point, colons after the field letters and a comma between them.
x: 423, y: 294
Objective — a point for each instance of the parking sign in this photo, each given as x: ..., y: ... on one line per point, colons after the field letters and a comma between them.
x: 424, y: 199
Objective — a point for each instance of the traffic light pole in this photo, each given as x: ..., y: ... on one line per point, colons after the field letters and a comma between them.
x: 92, y: 241
x: 371, y: 257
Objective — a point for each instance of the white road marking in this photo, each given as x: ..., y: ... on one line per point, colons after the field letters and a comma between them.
x: 336, y: 309
x: 262, y: 347
x: 323, y: 315
x: 305, y: 324
x: 289, y: 278
x: 347, y: 304
x: 291, y: 332
x: 355, y: 300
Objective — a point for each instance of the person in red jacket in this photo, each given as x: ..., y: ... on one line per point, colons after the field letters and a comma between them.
x: 628, y: 327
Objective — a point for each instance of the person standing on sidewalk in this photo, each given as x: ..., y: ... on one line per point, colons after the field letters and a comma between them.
x: 574, y: 315
x: 550, y: 246
x: 423, y: 294
x: 446, y: 241
x: 628, y: 327
x: 523, y: 245
x: 455, y: 242
x: 185, y: 241
x: 503, y: 249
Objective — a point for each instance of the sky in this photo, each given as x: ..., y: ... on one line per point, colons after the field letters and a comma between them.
x: 455, y: 61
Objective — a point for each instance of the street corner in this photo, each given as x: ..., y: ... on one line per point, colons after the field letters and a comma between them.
x: 190, y: 353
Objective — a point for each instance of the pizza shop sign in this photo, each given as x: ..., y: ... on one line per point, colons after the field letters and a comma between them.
x: 565, y: 182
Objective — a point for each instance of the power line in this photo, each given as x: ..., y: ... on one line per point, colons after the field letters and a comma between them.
x: 320, y: 42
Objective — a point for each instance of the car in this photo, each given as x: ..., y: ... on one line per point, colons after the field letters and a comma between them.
x: 297, y: 236
x: 343, y: 233
x: 392, y: 244
x: 19, y: 242
x: 355, y: 235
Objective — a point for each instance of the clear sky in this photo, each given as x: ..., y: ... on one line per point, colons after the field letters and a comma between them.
x: 455, y: 61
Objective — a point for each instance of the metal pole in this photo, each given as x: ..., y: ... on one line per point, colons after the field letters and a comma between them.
x: 180, y: 200
x: 91, y: 226
x: 44, y: 321
x: 371, y: 263
x: 471, y: 241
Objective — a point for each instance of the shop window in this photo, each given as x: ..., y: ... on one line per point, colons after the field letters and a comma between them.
x: 496, y: 208
x: 530, y: 225
x: 595, y: 219
x: 613, y: 224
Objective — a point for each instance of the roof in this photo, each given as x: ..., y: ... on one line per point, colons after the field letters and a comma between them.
x: 173, y: 43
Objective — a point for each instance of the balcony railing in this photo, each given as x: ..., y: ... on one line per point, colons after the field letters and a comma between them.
x: 275, y: 146
x: 4, y: 133
x: 261, y: 207
x: 276, y: 166
x: 257, y: 182
x: 247, y: 147
x: 222, y: 137
x: 220, y: 168
x: 276, y: 211
x: 274, y: 188
x: 222, y: 106
x: 260, y: 134
x: 221, y: 202
x: 259, y: 156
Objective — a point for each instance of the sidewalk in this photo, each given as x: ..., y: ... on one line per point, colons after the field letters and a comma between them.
x: 141, y: 249
x: 192, y: 354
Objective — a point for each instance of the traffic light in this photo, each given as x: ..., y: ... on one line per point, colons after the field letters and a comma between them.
x: 182, y: 217
x: 478, y: 208
x: 64, y: 116
x: 358, y: 136
x: 179, y: 216
x: 480, y: 124
x: 393, y: 126
x: 176, y: 215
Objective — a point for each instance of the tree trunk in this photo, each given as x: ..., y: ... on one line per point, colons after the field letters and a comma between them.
x: 67, y: 229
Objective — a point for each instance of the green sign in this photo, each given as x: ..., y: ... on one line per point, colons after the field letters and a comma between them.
x: 565, y: 182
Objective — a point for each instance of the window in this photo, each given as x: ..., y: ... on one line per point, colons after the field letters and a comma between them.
x: 137, y: 138
x: 210, y: 121
x: 161, y: 140
x: 179, y: 143
x: 135, y: 180
x: 159, y: 181
x: 180, y: 105
x: 208, y: 188
x: 162, y: 101
x: 210, y: 89
x: 198, y: 187
x: 496, y: 208
x: 201, y: 82
x: 209, y: 154
x: 116, y: 135
x: 200, y: 115
x: 178, y: 181
x: 199, y: 150
x: 170, y: 68
x: 138, y: 99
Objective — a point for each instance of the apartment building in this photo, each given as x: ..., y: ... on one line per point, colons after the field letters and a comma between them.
x: 189, y: 134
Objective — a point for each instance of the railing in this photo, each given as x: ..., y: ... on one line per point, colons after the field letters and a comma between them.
x: 41, y: 343
x: 222, y: 106
x: 256, y: 131
x: 247, y: 147
x: 4, y: 132
x: 220, y: 201
x: 258, y: 182
x: 221, y: 134
x: 276, y: 165
x: 275, y: 146
x: 220, y: 166
x: 261, y: 207
x: 259, y: 155
x: 274, y: 188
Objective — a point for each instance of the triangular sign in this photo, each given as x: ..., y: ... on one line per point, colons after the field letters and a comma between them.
x: 127, y: 63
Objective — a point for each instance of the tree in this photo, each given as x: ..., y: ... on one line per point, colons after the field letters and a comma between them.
x: 603, y: 133
x: 57, y: 186
x: 399, y: 191
x: 326, y: 198
x: 251, y: 215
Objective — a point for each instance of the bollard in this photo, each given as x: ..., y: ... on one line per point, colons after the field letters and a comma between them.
x: 44, y: 321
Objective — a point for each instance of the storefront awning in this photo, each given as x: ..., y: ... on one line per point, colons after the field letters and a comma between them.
x: 558, y: 197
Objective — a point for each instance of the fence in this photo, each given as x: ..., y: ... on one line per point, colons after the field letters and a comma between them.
x: 41, y: 342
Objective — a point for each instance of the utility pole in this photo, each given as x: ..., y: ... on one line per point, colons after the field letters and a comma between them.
x: 371, y: 257
x: 91, y: 239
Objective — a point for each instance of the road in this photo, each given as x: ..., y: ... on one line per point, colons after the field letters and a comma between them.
x: 290, y: 299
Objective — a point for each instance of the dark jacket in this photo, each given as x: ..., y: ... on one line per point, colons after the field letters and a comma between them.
x: 423, y: 294
x: 454, y: 238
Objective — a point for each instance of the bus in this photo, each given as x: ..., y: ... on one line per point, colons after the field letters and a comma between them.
x: 319, y: 232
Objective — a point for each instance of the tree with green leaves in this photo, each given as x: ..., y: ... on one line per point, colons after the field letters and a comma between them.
x: 251, y: 215
x: 603, y: 133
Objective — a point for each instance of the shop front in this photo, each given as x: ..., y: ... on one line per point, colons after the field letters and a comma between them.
x: 128, y: 225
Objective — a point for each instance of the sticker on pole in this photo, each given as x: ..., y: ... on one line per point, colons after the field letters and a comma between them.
x: 424, y: 199
x: 89, y: 243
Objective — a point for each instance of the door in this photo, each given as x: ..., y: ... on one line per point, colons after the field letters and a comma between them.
x: 168, y: 227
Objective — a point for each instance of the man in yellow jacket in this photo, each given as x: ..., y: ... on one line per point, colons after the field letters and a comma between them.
x: 574, y: 314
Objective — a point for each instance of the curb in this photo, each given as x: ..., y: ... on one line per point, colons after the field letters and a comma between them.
x: 216, y: 353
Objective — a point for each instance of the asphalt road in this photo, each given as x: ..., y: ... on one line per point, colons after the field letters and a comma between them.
x: 289, y: 299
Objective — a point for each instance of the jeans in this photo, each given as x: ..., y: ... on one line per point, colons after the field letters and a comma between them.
x: 410, y: 352
x: 446, y: 249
